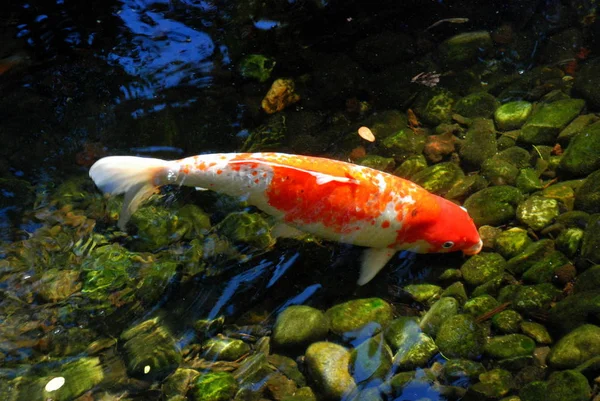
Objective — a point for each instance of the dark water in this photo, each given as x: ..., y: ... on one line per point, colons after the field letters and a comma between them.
x: 82, y: 80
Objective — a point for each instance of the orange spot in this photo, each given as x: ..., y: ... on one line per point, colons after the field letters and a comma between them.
x: 255, y: 173
x: 385, y: 224
x: 185, y: 169
x: 256, y: 181
x: 212, y: 164
x: 219, y: 172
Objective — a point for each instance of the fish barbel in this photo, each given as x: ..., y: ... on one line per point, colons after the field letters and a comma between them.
x: 331, y: 199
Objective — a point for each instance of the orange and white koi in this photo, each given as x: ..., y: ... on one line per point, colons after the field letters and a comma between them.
x: 331, y: 199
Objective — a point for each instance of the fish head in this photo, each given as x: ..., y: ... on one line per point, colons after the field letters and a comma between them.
x: 451, y: 230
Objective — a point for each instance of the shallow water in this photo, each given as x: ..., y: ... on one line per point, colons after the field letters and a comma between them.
x: 80, y: 81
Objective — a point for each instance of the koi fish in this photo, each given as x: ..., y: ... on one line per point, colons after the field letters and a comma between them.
x: 331, y: 199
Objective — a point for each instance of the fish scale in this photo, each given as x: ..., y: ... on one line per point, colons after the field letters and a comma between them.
x: 332, y: 199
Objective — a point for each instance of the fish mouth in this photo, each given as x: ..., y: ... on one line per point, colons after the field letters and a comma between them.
x: 475, y: 249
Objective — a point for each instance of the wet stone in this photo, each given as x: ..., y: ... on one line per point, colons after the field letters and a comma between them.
x: 478, y: 104
x: 576, y: 347
x: 590, y: 246
x: 536, y: 331
x: 507, y: 321
x: 411, y: 166
x: 499, y: 172
x: 439, y: 178
x: 214, y: 386
x: 480, y: 305
x: 423, y: 293
x: 441, y: 310
x: 256, y: 66
x: 401, y: 330
x: 224, y: 349
x: 532, y: 299
x: 460, y: 337
x: 299, y: 325
x: 548, y: 120
x: 512, y: 115
x: 532, y: 254
x: 537, y: 212
x: 462, y: 50
x: 278, y: 387
x: 377, y: 162
x: 456, y: 369
x: 56, y: 285
x: 574, y: 310
x: 302, y: 394
x: 179, y: 382
x: 587, y: 196
x: 482, y: 267
x: 495, y: 383
x: 509, y: 346
x: 528, y: 181
x: 568, y: 385
x: 253, y: 370
x: 479, y: 144
x: 511, y: 242
x: 493, y: 206
x: 353, y: 315
x: 327, y: 364
x: 371, y: 360
x: 534, y: 391
x: 456, y: 291
x: 416, y: 352
x: 546, y: 269
x: 569, y: 241
x: 288, y: 367
x: 582, y: 156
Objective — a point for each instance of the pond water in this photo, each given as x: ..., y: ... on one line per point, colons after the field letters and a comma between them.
x: 492, y: 106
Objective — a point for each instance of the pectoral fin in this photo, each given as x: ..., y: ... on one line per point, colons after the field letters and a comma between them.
x: 373, y: 260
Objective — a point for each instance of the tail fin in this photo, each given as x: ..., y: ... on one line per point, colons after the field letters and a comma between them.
x: 136, y: 177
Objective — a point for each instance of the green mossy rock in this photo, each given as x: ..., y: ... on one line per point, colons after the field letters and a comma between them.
x: 532, y: 254
x: 372, y: 359
x: 493, y: 206
x: 179, y: 383
x: 590, y: 246
x: 299, y: 325
x: 57, y: 285
x: 434, y: 106
x: 377, y: 162
x: 482, y: 267
x: 545, y: 270
x: 249, y: 228
x: 493, y: 384
x: 512, y: 115
x: 537, y: 212
x: 423, y: 293
x: 479, y: 144
x: 224, y: 349
x: 507, y: 321
x: 411, y: 166
x: 353, y: 315
x: 478, y: 104
x: 479, y: 305
x: 582, y: 156
x: 256, y: 66
x: 574, y: 310
x: 328, y: 366
x: 150, y: 351
x: 576, y: 347
x: 460, y: 337
x: 532, y: 299
x: 214, y: 386
x: 268, y: 136
x: 536, y: 331
x: 587, y: 81
x: 401, y: 330
x: 511, y: 242
x: 456, y: 291
x: 575, y: 127
x: 440, y: 311
x: 509, y: 346
x: 543, y: 127
x: 587, y: 197
x: 534, y: 391
x: 252, y: 370
x: 403, y: 144
x: 438, y: 178
x: 589, y: 280
x: 568, y: 385
x: 466, y: 186
x: 528, y: 181
x: 411, y: 347
x: 499, y: 172
x: 462, y: 50
x: 455, y: 369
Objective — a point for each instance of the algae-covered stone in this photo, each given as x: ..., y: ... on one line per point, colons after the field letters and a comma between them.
x: 528, y: 181
x: 434, y: 106
x: 56, y: 285
x: 509, y: 346
x: 582, y: 156
x: 587, y: 197
x: 327, y: 363
x: 214, y: 386
x: 479, y: 305
x: 411, y: 166
x: 416, y: 352
x: 479, y: 144
x: 563, y: 192
x: 463, y: 49
x: 403, y: 144
x: 536, y: 331
x: 460, y: 337
x: 354, y: 315
x: 288, y: 367
x: 534, y: 299
x: 179, y: 382
x: 545, y: 270
x: 512, y: 115
x: 224, y: 349
x: 77, y: 377
x: 574, y: 310
x: 590, y: 246
x: 533, y: 253
x: 568, y: 385
x: 495, y: 383
x: 493, y: 206
x: 377, y: 162
x: 440, y: 311
x: 507, y: 321
x: 250, y: 228
x: 576, y: 347
x: 438, y: 178
x: 252, y: 370
x: 538, y: 211
x: 423, y: 292
x: 372, y: 359
x: 534, y: 391
x: 511, y: 242
x: 150, y: 350
x: 267, y: 136
x: 466, y: 186
x: 256, y: 66
x: 589, y: 280
x: 482, y: 267
x: 455, y: 369
x: 456, y: 291
x: 400, y: 330
x: 549, y: 119
x: 499, y: 172
x: 478, y: 104
x: 576, y: 126
x: 299, y: 325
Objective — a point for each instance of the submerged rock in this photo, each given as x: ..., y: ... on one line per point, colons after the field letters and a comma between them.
x: 443, y: 309
x: 511, y: 242
x: 462, y: 50
x: 460, y: 337
x: 281, y: 94
x: 435, y: 106
x: 576, y: 347
x: 482, y: 267
x: 179, y: 382
x: 299, y: 325
x: 493, y: 206
x: 214, y: 386
x: 587, y: 197
x: 478, y: 104
x: 353, y: 315
x: 582, y: 156
x: 512, y: 115
x: 480, y: 142
x: 568, y: 385
x: 549, y: 119
x: 224, y: 349
x: 509, y: 346
x: 438, y: 178
x: 507, y: 321
x: 56, y: 285
x: 250, y: 228
x: 493, y: 384
x: 590, y: 246
x: 256, y: 66
x: 537, y: 212
x: 371, y: 360
x: 327, y: 364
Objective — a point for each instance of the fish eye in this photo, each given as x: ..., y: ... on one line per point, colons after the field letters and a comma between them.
x: 447, y: 244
